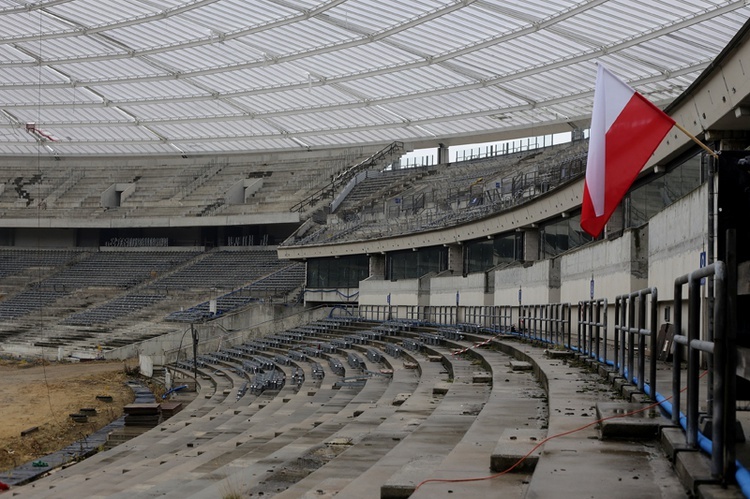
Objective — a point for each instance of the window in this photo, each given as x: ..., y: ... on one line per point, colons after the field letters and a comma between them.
x: 344, y: 272
x: 648, y: 199
x: 484, y: 254
x: 560, y: 235
x: 413, y: 264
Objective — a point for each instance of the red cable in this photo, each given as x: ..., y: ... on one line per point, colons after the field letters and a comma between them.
x: 508, y: 470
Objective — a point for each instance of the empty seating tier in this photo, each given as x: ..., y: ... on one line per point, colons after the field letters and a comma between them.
x: 402, y: 415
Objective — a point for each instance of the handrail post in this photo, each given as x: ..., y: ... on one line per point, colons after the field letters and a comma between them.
x: 641, y: 341
x: 631, y: 343
x: 652, y: 343
x: 693, y: 361
x: 677, y: 354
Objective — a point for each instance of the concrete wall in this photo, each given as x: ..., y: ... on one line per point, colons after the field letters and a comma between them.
x: 471, y: 290
x: 227, y: 331
x: 403, y: 292
x: 676, y: 238
x: 533, y: 280
x: 49, y: 238
x: 617, y: 266
x: 332, y: 295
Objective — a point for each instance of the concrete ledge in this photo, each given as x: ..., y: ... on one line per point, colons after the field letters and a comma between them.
x: 628, y: 391
x: 520, y: 365
x: 613, y: 376
x: 673, y: 441
x: 604, y: 370
x: 642, y: 425
x: 481, y: 377
x: 693, y: 469
x: 719, y: 492
x: 512, y: 446
x: 400, y: 398
x: 402, y: 484
x: 441, y: 388
x: 559, y: 354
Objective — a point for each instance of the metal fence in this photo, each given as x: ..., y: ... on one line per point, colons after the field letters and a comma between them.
x: 592, y: 329
x: 631, y: 313
x: 549, y: 323
x: 721, y: 347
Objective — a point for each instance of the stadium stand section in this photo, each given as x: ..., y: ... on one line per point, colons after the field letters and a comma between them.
x: 372, y: 330
x: 382, y: 429
x: 81, y: 297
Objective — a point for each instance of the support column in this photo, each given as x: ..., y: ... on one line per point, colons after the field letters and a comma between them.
x: 531, y: 244
x: 442, y: 154
x: 377, y: 266
x: 456, y: 259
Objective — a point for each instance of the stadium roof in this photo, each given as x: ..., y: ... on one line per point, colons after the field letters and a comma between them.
x: 148, y: 77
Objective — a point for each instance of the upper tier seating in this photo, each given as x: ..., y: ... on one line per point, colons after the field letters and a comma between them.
x: 448, y: 195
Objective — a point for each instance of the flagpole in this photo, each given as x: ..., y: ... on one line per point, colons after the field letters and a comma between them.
x: 695, y: 139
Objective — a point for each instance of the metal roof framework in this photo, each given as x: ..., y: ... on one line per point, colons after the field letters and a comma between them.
x: 147, y: 77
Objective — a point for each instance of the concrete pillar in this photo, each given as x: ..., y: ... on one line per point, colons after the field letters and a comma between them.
x: 456, y: 258
x: 531, y: 244
x: 377, y: 266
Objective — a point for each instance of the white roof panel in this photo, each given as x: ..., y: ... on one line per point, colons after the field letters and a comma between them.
x: 147, y: 77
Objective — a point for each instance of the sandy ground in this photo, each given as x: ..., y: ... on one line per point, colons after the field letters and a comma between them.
x: 45, y: 396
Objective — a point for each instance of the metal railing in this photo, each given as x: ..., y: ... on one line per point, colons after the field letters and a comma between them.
x: 722, y: 409
x: 631, y: 311
x: 592, y: 329
x: 379, y: 158
x: 549, y: 323
x: 636, y: 350
x: 495, y: 317
x: 378, y: 312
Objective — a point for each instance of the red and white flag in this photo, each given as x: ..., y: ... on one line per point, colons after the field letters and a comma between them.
x: 626, y: 129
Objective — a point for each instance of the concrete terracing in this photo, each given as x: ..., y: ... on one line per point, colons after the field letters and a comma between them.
x: 426, y: 423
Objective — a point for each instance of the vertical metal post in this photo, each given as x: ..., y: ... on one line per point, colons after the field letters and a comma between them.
x: 719, y: 433
x: 677, y: 354
x: 580, y: 345
x: 711, y: 235
x: 623, y: 335
x: 652, y: 343
x: 631, y: 340
x: 556, y: 317
x: 597, y: 328
x: 590, y: 328
x: 618, y: 326
x: 729, y: 333
x: 194, y: 335
x: 641, y: 341
x: 694, y: 317
x: 604, y: 333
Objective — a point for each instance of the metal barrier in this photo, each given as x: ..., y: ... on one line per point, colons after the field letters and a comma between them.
x: 723, y: 410
x: 378, y: 312
x: 549, y: 323
x: 489, y: 316
x: 496, y: 317
x: 416, y: 313
x: 592, y: 328
x: 433, y: 314
x: 631, y: 311
x: 443, y: 314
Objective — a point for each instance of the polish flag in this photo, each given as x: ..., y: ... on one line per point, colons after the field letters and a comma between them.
x: 626, y: 129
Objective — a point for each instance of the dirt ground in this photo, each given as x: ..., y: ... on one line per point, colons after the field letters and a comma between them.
x: 45, y: 395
